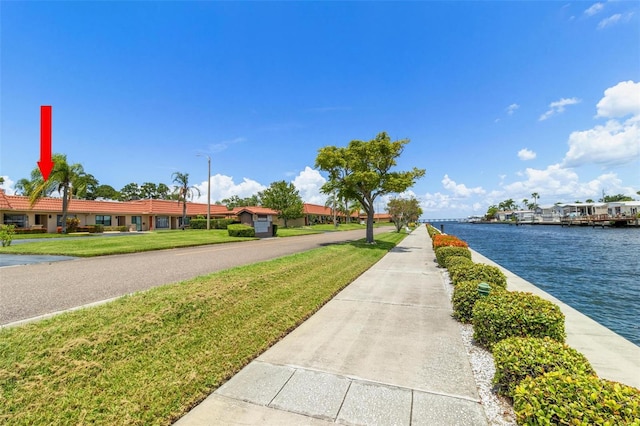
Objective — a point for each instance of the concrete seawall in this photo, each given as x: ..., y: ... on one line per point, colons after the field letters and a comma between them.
x: 611, y: 355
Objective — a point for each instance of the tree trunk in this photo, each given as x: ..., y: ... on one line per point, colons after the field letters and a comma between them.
x: 65, y: 207
x: 184, y: 212
x: 370, y: 213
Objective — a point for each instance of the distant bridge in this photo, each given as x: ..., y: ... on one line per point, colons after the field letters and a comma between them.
x: 443, y: 220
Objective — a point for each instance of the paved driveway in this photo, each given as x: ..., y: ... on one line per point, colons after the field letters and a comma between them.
x: 30, y: 291
x: 27, y: 259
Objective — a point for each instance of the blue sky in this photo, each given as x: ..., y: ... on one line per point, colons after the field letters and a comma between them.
x: 499, y: 99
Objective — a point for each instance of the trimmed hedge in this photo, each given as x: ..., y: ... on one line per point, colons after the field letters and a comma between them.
x: 480, y: 271
x: 452, y: 262
x: 215, y: 223
x: 442, y: 253
x: 568, y: 399
x: 443, y: 240
x: 239, y: 230
x: 431, y: 230
x: 464, y: 297
x: 517, y: 358
x: 515, y: 314
x: 29, y: 231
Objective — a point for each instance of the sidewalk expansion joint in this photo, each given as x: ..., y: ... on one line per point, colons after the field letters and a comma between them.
x: 358, y: 379
x: 354, y: 398
x: 378, y: 302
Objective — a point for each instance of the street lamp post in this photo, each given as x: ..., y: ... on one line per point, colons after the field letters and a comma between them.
x: 208, y: 190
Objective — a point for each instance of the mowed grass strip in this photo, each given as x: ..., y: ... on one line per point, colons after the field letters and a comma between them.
x: 105, y: 245
x: 148, y: 358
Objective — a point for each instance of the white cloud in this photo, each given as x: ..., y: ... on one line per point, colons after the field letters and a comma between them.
x: 558, y: 107
x: 594, y: 9
x: 223, y: 186
x: 308, y: 183
x: 609, y: 21
x: 526, y: 154
x: 460, y: 190
x: 512, y: 108
x: 620, y: 100
x: 442, y: 206
x: 613, y: 144
x: 556, y: 183
x: 221, y: 146
x: 7, y: 185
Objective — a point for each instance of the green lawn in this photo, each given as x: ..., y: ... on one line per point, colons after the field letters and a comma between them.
x: 94, y: 245
x: 148, y: 358
x: 46, y: 236
x: 329, y: 227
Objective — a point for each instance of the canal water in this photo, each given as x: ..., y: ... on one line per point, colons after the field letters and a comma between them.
x: 594, y: 270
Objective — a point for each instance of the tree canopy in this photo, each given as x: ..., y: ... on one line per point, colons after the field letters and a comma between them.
x: 235, y: 201
x: 184, y: 191
x: 285, y: 198
x: 67, y: 179
x: 362, y: 171
x: 404, y: 211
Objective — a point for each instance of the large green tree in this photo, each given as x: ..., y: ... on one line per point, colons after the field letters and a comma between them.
x: 403, y: 211
x: 184, y: 191
x: 130, y: 191
x: 285, y: 198
x: 615, y: 198
x: 362, y: 171
x: 67, y: 179
x: 106, y: 192
x: 235, y: 201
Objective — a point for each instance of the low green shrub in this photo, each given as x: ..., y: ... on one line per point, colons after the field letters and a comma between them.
x: 560, y: 398
x: 442, y: 253
x: 29, y: 231
x: 200, y: 223
x: 452, y: 262
x: 431, y: 230
x: 239, y: 230
x: 515, y: 314
x: 115, y: 228
x: 480, y: 271
x: 72, y: 224
x: 6, y: 234
x: 464, y: 297
x: 517, y: 358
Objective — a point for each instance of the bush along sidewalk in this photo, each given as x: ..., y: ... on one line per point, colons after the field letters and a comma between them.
x: 548, y: 382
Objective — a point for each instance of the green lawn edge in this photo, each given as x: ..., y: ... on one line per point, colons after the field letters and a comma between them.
x: 149, y: 358
x: 91, y: 245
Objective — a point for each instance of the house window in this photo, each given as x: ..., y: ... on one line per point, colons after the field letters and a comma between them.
x: 19, y: 220
x: 103, y: 220
x: 162, y: 222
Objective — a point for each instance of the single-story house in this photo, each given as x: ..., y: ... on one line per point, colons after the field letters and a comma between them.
x: 138, y: 215
x: 624, y: 209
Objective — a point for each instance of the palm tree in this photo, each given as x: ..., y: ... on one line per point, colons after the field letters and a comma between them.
x: 63, y: 178
x: 183, y: 191
x: 535, y: 197
x: 24, y: 187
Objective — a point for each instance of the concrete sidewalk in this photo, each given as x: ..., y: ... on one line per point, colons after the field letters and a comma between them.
x: 384, y: 351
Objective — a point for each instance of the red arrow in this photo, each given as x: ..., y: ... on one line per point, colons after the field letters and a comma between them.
x: 45, y: 164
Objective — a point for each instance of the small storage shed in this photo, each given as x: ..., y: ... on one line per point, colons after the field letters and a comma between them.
x: 260, y: 218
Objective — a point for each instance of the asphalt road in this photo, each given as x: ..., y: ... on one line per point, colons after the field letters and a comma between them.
x: 30, y: 291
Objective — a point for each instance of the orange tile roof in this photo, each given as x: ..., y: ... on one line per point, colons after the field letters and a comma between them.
x: 317, y: 210
x: 155, y: 207
x: 255, y: 210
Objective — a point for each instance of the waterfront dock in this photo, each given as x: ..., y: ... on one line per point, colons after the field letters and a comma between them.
x: 611, y: 355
